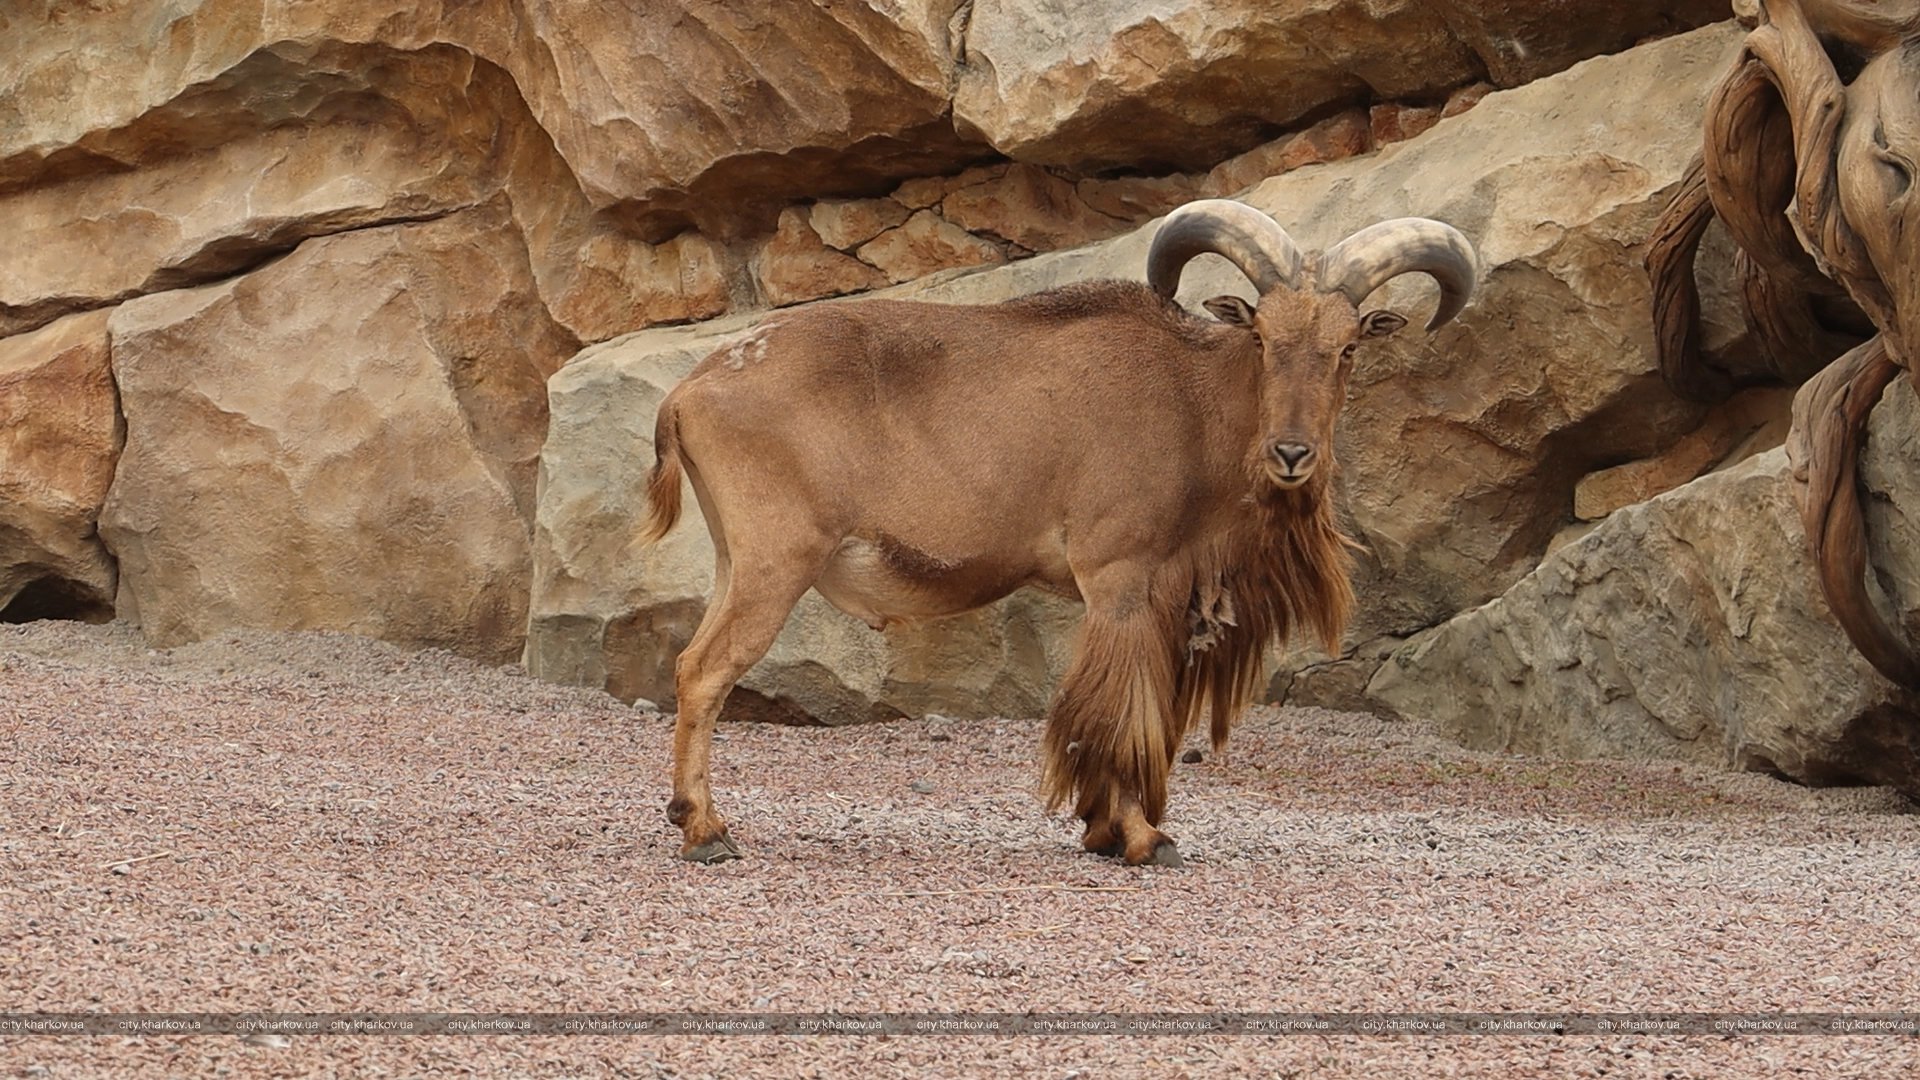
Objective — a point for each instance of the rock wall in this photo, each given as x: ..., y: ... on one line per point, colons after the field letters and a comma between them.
x: 293, y: 288
x: 1112, y: 83
x: 1462, y: 450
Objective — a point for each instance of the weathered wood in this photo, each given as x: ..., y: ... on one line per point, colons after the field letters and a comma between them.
x: 1830, y: 420
x: 1748, y: 161
x: 1800, y: 68
x: 1770, y: 169
x: 1676, y: 295
x: 1796, y: 341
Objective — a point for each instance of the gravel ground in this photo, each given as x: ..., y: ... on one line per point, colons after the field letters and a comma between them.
x: 340, y: 825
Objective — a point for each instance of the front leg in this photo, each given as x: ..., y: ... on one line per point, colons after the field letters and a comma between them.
x: 1112, y: 732
x: 1124, y: 832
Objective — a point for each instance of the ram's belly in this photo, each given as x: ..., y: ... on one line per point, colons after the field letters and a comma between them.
x: 881, y: 582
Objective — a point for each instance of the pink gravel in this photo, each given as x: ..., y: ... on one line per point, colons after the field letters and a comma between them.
x: 341, y: 825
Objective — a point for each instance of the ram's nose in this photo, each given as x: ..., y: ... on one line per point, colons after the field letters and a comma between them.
x: 1292, y: 462
x: 1293, y: 456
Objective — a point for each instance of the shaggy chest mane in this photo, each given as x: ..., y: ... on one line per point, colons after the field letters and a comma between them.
x: 1283, y: 567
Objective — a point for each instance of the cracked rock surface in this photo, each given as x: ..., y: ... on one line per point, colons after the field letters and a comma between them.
x: 1691, y: 626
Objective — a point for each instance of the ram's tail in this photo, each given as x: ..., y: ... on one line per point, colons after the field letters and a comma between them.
x: 663, y: 485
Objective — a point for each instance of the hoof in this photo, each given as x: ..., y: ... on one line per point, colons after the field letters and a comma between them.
x: 1163, y: 854
x: 718, y: 850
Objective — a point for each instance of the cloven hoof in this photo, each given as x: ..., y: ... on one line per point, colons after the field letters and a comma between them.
x: 713, y: 851
x: 1165, y: 854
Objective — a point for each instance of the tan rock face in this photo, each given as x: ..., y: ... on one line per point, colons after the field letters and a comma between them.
x: 1394, y: 122
x: 1465, y: 98
x: 1137, y: 199
x: 926, y: 243
x: 59, y: 438
x: 844, y: 224
x: 295, y: 141
x: 849, y: 96
x: 796, y: 265
x: 345, y: 439
x: 1093, y: 84
x: 1690, y: 627
x: 244, y: 129
x: 668, y: 112
x: 379, y: 137
x: 613, y: 283
x: 1028, y: 206
x: 1748, y: 424
x: 1333, y: 139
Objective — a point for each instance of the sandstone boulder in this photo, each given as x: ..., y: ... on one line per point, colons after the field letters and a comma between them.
x: 924, y: 244
x: 1028, y: 206
x: 1461, y: 449
x: 1691, y: 627
x: 845, y: 224
x: 197, y: 141
x: 60, y: 435
x: 1339, y: 136
x: 1094, y: 84
x: 1753, y: 422
x: 375, y: 137
x: 689, y: 114
x: 301, y: 140
x: 344, y: 439
x: 797, y: 265
x: 672, y: 113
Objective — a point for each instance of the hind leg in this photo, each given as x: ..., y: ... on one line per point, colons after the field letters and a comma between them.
x: 749, y: 610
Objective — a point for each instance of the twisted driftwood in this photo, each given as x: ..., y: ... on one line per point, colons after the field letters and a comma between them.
x: 1810, y: 196
x: 1829, y: 419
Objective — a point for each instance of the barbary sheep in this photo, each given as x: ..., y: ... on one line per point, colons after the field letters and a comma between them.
x: 1098, y: 441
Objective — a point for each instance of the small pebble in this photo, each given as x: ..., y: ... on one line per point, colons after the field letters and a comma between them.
x: 924, y: 787
x: 271, y: 1039
x: 1191, y: 757
x: 641, y: 704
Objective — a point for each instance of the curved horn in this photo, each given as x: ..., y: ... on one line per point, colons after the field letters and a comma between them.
x: 1379, y: 253
x: 1248, y: 238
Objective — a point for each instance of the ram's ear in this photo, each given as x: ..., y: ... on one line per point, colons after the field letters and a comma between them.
x: 1380, y: 323
x: 1230, y: 310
